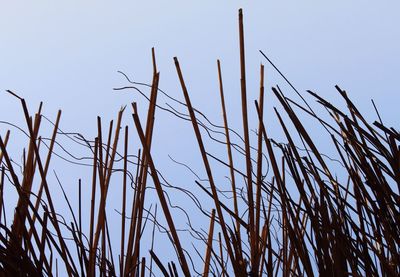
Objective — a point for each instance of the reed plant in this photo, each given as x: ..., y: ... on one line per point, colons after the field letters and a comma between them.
x: 300, y: 219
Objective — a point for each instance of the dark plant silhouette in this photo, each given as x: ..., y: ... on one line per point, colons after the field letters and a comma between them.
x: 320, y: 226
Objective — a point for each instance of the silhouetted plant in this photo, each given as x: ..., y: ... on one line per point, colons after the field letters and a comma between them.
x: 329, y: 228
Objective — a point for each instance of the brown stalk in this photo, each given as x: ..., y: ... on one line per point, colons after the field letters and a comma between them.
x: 229, y: 149
x: 26, y: 185
x: 160, y: 193
x: 132, y: 229
x: 7, y: 136
x: 92, y: 250
x: 2, y: 193
x: 209, y: 245
x: 121, y: 266
x: 259, y: 170
x: 252, y: 231
x: 137, y: 211
x: 107, y: 154
x: 221, y: 255
x: 144, y: 169
x: 152, y: 240
x: 142, y: 177
x: 143, y: 268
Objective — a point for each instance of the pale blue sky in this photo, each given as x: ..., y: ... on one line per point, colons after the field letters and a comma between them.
x: 68, y: 54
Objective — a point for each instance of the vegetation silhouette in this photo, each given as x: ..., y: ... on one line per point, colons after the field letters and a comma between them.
x: 329, y: 228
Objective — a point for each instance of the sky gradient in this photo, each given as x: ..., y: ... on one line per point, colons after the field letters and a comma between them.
x: 68, y: 55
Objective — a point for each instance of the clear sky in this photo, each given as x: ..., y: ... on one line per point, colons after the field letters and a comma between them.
x: 67, y: 55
